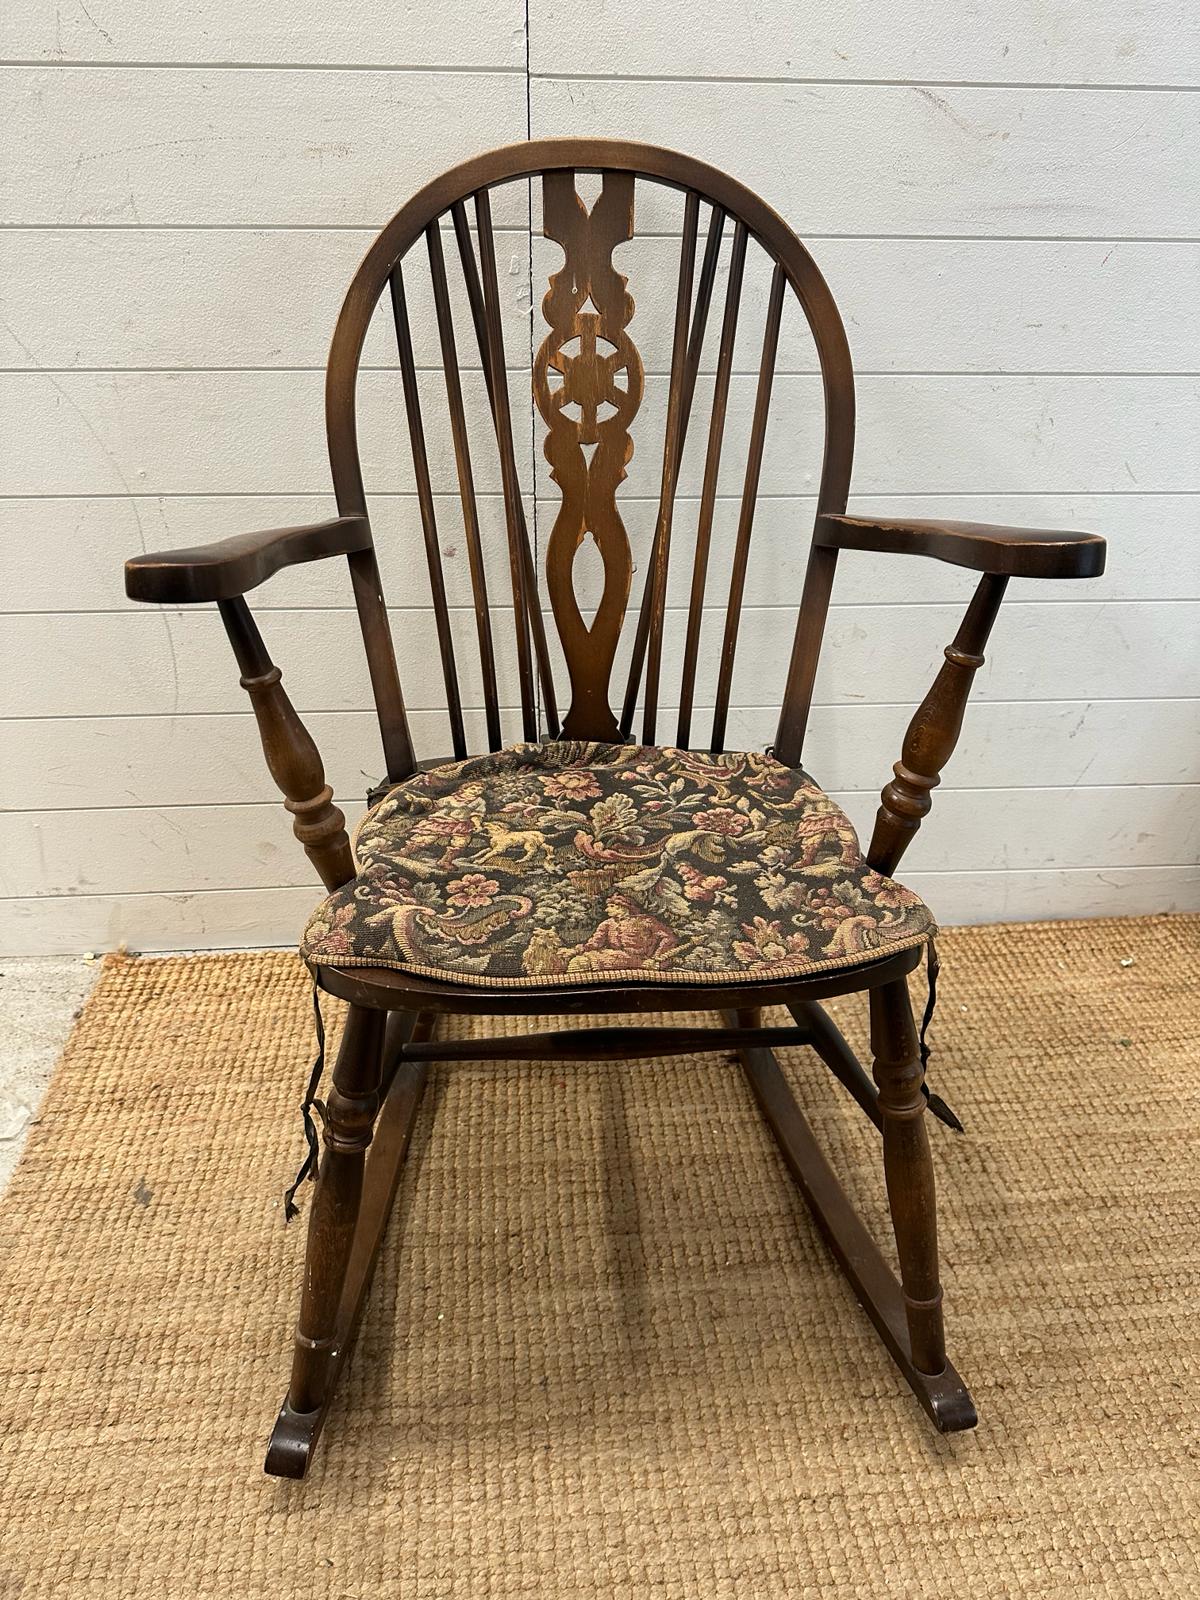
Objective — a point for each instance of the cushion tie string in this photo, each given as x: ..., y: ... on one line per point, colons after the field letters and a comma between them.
x: 311, y: 1103
x: 934, y: 1101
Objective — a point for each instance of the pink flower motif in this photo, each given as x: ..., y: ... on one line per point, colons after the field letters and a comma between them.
x: 768, y: 774
x: 696, y: 886
x: 723, y: 820
x: 887, y: 894
x: 472, y: 890
x: 828, y: 910
x: 854, y: 935
x: 572, y: 786
x: 766, y: 945
x: 829, y: 916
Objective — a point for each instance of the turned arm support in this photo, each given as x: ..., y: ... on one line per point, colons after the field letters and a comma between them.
x: 999, y: 553
x: 232, y: 567
x: 1004, y: 552
x: 292, y: 756
x: 933, y: 732
x: 223, y: 572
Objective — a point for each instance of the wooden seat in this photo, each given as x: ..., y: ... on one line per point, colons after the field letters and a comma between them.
x: 680, y: 647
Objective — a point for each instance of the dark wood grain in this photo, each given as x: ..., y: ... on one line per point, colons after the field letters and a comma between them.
x: 292, y: 757
x: 485, y: 314
x: 908, y: 1170
x: 827, y: 1039
x: 425, y: 503
x: 350, y: 1111
x: 749, y: 503
x: 380, y: 650
x: 466, y: 482
x: 691, y: 369
x: 587, y: 305
x: 587, y: 384
x: 933, y: 732
x: 231, y: 567
x: 1007, y: 552
x: 708, y: 493
x: 705, y: 283
x: 392, y: 990
x: 601, y: 1044
x: 401, y: 1086
x: 943, y: 1395
x: 806, y: 655
x: 524, y: 602
x: 672, y: 455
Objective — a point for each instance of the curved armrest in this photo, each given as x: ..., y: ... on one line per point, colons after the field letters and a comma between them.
x: 1006, y: 552
x: 231, y: 567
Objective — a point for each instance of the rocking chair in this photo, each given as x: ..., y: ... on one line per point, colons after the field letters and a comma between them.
x: 578, y: 871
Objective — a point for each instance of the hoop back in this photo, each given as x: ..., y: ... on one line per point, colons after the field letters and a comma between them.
x: 588, y: 383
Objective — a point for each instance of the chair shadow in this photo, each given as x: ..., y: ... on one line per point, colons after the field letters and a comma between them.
x: 627, y: 1265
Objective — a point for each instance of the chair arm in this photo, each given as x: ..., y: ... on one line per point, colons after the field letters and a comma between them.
x: 1006, y: 552
x: 232, y: 567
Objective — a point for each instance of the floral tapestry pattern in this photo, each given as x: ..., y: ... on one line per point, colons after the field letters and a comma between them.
x: 575, y: 863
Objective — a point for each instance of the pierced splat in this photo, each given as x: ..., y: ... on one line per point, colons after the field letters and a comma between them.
x: 587, y: 383
x: 588, y: 574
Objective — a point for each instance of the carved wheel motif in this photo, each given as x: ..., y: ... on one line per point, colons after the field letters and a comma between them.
x: 587, y: 385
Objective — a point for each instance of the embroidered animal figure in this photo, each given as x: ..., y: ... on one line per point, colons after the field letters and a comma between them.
x: 527, y: 842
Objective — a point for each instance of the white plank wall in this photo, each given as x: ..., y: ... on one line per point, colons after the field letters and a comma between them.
x: 1006, y: 204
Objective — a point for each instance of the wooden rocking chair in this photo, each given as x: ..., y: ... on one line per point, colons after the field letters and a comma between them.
x: 578, y: 871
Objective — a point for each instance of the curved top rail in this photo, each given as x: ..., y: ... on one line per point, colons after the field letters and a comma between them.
x: 531, y: 159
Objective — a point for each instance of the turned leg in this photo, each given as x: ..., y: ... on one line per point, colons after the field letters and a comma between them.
x: 349, y: 1120
x: 908, y: 1169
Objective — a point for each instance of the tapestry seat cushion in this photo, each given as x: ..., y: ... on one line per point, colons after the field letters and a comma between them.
x: 576, y: 863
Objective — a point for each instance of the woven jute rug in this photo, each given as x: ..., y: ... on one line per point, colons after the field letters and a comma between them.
x: 606, y: 1353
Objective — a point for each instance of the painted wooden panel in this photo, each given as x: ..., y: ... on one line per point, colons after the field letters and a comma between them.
x: 1018, y: 271
x: 248, y: 432
x: 946, y: 305
x: 213, y: 297
x: 67, y: 554
x: 195, y: 145
x: 953, y: 434
x: 119, y: 851
x: 868, y: 159
x: 215, y: 759
x: 209, y: 297
x: 262, y: 432
x: 140, y: 850
x: 238, y: 918
x: 1052, y: 41
x: 190, y: 145
x: 96, y: 664
x: 1046, y: 893
x: 865, y: 158
x: 355, y: 32
x: 982, y: 830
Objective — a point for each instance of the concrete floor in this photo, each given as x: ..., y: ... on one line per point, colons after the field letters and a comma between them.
x: 40, y: 997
